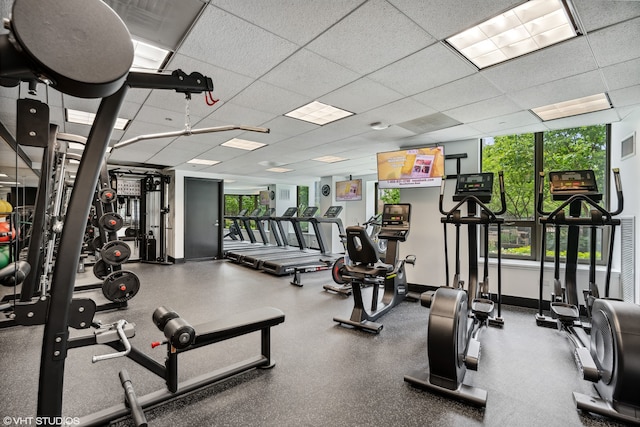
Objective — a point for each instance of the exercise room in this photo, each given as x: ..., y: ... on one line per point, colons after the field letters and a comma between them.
x: 319, y: 213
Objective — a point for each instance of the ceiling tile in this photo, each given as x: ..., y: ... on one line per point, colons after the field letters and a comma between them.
x: 622, y: 74
x: 309, y: 74
x: 446, y: 18
x: 466, y: 90
x: 234, y: 44
x: 482, y: 110
x: 560, y: 90
x: 625, y: 97
x: 350, y: 96
x: 494, y: 125
x: 299, y: 23
x: 372, y: 36
x: 618, y: 43
x: 595, y: 14
x: 262, y: 96
x: 553, y: 63
x: 416, y: 73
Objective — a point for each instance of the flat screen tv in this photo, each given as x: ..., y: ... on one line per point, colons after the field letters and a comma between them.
x: 416, y: 167
x: 349, y: 190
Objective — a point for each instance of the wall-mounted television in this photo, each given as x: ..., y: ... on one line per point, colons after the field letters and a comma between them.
x: 349, y: 190
x: 416, y: 167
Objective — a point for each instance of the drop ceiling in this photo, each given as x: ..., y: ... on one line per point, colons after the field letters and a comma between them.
x: 384, y: 60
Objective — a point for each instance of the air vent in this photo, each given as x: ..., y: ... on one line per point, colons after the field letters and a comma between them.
x: 429, y: 123
x: 627, y: 262
x: 285, y: 194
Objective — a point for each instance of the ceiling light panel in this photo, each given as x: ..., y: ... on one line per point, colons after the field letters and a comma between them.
x: 588, y: 104
x: 279, y: 170
x: 529, y: 27
x: 318, y: 113
x: 243, y: 144
x: 329, y: 159
x: 86, y: 118
x: 203, y: 162
x: 147, y: 57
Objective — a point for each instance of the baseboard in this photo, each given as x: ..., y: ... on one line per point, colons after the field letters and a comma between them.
x: 176, y: 260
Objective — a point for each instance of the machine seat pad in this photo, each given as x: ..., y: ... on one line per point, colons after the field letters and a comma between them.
x: 565, y: 311
x: 378, y: 269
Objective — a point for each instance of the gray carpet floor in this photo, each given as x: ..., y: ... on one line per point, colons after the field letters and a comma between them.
x: 325, y: 374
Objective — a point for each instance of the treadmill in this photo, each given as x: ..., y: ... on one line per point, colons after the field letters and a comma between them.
x: 235, y: 242
x: 255, y: 259
x: 308, y: 259
x: 238, y: 255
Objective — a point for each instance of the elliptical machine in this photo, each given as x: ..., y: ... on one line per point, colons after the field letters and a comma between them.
x: 455, y: 323
x: 609, y: 356
x: 365, y: 267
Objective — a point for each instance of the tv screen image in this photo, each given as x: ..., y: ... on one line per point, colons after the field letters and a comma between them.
x: 349, y: 190
x: 417, y: 167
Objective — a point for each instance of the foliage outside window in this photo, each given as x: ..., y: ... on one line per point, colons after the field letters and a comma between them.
x: 234, y: 203
x: 387, y: 196
x: 302, y: 199
x: 521, y: 157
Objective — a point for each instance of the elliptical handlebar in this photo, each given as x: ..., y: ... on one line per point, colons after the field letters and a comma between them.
x: 472, y: 198
x: 551, y: 216
x: 618, y: 182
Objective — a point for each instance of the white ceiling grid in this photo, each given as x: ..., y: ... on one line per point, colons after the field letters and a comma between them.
x: 384, y: 60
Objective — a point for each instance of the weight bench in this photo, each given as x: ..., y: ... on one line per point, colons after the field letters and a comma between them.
x: 182, y: 337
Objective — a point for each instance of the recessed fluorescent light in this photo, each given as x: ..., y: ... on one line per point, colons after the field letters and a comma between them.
x: 76, y: 146
x: 243, y: 144
x: 588, y: 104
x: 329, y: 159
x: 318, y: 113
x: 147, y: 57
x: 529, y: 27
x: 74, y: 161
x: 10, y: 182
x: 203, y: 162
x: 279, y: 170
x: 4, y: 175
x: 86, y: 118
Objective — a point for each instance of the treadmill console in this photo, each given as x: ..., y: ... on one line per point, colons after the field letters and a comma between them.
x: 289, y: 212
x: 568, y: 183
x: 333, y: 212
x: 395, y: 222
x: 479, y: 185
x: 309, y: 212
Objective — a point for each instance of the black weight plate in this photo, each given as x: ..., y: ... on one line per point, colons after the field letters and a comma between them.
x: 338, y: 270
x: 131, y: 232
x: 97, y: 243
x: 101, y: 269
x: 111, y: 221
x: 115, y: 252
x: 82, y: 46
x: 120, y: 286
x: 107, y: 195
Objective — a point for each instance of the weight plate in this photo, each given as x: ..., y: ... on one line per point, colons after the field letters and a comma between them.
x: 131, y: 232
x: 101, y: 269
x: 97, y: 243
x: 338, y: 270
x: 115, y: 252
x: 111, y: 221
x: 120, y: 286
x: 107, y: 195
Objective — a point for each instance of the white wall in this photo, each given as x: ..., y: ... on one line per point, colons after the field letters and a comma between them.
x: 630, y: 176
x: 426, y: 237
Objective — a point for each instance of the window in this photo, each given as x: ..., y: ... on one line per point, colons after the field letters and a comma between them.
x: 234, y: 203
x: 521, y: 157
x: 386, y: 196
x: 302, y: 201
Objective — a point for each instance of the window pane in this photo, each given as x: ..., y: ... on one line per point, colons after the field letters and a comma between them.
x: 514, y: 155
x: 575, y: 149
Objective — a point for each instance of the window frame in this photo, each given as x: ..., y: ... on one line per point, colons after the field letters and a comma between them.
x: 534, y: 224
